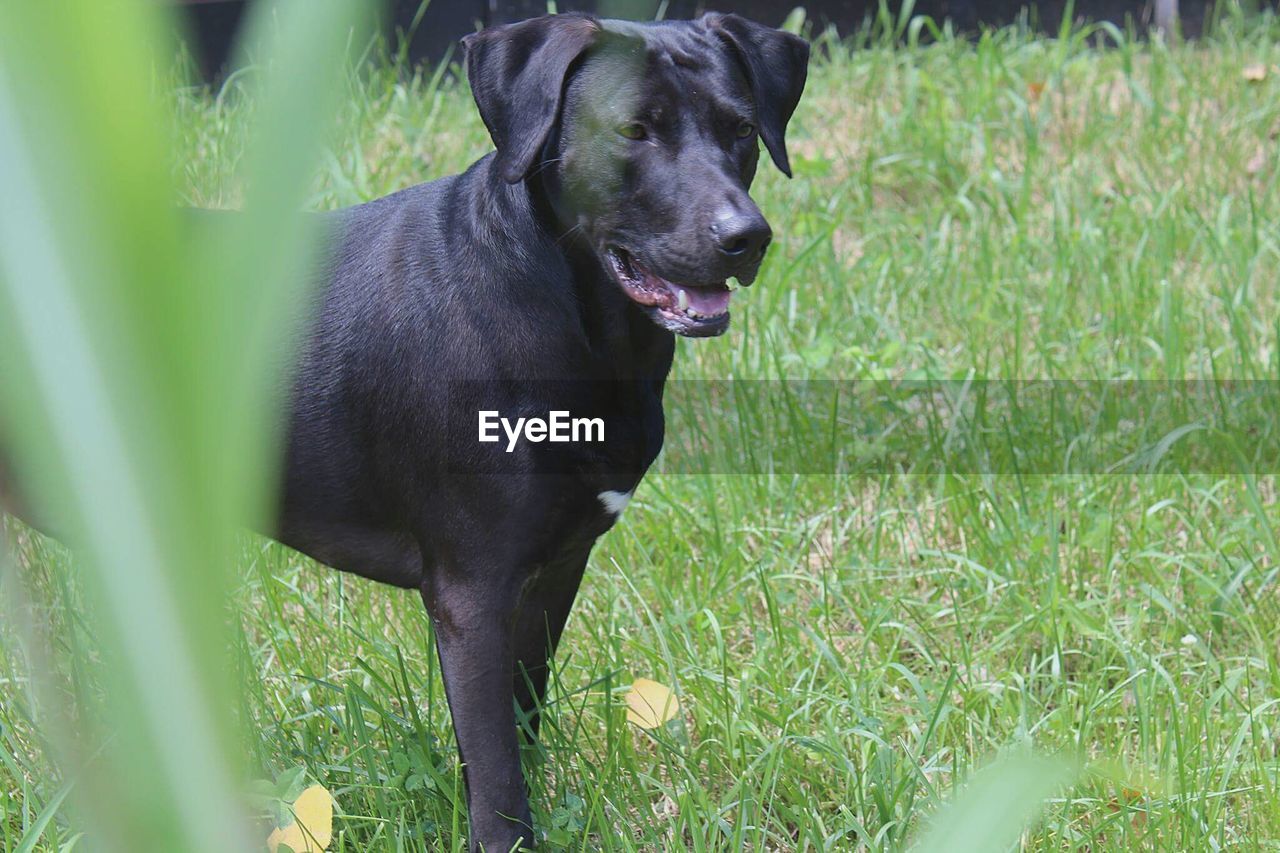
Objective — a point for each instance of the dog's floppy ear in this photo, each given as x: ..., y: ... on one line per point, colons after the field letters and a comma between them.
x: 776, y: 64
x: 517, y: 74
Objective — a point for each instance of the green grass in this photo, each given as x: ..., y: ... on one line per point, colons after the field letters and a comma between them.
x: 846, y: 650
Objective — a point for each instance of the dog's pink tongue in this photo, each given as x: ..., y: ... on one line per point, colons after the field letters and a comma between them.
x: 708, y: 300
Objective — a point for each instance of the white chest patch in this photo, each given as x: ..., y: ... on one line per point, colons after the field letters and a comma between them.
x: 615, y: 502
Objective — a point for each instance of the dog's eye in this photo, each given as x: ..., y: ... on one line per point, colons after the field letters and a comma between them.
x: 633, y: 130
x: 746, y: 129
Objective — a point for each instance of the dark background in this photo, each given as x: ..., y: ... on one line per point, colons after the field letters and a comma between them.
x: 211, y: 24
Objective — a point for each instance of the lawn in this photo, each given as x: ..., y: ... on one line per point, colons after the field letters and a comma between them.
x: 847, y: 650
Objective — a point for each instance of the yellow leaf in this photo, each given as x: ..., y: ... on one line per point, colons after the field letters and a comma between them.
x: 312, y: 828
x: 650, y: 704
x: 1255, y: 72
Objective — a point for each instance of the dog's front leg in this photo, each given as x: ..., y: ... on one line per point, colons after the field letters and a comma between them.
x: 538, y: 626
x: 473, y: 615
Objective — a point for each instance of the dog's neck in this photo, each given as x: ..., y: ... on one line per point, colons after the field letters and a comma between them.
x: 624, y: 341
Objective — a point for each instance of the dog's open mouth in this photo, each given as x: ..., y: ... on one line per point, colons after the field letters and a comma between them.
x: 695, y: 310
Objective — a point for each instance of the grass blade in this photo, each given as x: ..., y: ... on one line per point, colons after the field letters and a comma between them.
x: 995, y: 807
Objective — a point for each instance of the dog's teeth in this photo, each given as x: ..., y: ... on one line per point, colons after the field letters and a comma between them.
x: 682, y: 299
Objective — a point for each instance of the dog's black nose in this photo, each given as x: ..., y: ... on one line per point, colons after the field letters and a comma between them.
x: 742, y: 237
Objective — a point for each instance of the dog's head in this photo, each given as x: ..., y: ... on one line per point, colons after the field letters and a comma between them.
x: 645, y: 139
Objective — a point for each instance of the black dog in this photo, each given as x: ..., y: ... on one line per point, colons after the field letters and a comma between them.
x: 611, y: 215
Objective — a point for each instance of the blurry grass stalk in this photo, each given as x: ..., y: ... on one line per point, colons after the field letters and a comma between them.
x: 140, y: 371
x: 996, y: 806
